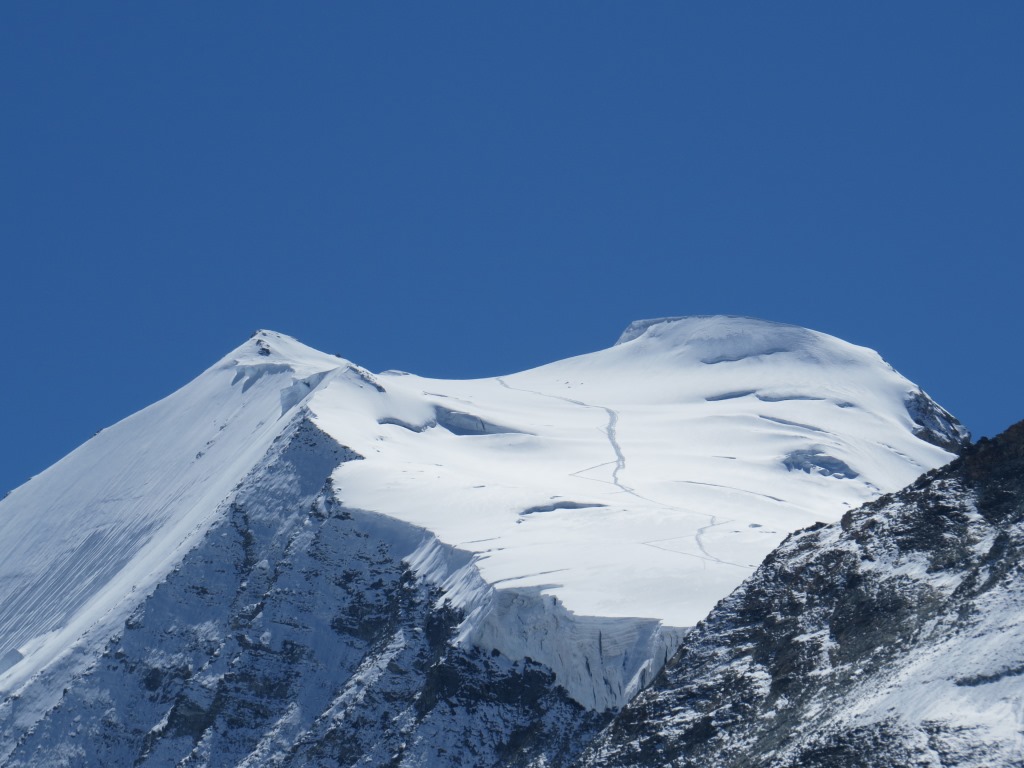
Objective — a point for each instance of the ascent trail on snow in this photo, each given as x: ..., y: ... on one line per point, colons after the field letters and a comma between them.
x: 609, y: 430
x: 620, y: 464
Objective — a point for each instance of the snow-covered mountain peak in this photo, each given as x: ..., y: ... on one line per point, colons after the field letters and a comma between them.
x: 266, y: 347
x: 716, y: 339
x: 614, y: 497
x: 710, y: 327
x: 703, y: 324
x: 727, y: 357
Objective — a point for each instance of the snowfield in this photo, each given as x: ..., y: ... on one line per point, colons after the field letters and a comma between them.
x: 592, y: 509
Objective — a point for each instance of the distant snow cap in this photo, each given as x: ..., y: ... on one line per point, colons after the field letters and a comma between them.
x: 267, y: 349
x: 715, y: 339
x: 704, y: 325
x: 638, y: 328
x: 264, y: 341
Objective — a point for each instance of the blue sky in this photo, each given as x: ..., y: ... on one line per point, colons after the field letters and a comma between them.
x: 467, y: 189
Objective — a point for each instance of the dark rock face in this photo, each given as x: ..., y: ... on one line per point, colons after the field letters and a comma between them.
x: 893, y: 638
x: 814, y: 460
x: 935, y: 425
x: 294, y: 635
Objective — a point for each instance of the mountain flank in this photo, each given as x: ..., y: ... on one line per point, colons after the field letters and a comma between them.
x: 894, y: 637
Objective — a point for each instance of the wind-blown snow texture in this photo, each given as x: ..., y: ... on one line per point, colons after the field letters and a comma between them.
x: 895, y: 637
x: 234, y: 572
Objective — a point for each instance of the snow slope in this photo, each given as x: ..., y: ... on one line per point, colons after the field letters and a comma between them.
x: 587, y: 510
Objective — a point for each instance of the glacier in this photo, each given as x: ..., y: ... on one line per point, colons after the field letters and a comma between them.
x: 580, y: 517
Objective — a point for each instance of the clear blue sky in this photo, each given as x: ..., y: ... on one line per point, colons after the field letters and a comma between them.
x: 466, y: 189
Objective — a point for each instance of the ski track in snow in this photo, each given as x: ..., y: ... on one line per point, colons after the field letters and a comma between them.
x: 620, y: 465
x: 609, y: 430
x: 699, y: 538
x: 733, y: 488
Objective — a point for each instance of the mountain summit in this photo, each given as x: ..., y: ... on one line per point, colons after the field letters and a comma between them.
x: 290, y: 544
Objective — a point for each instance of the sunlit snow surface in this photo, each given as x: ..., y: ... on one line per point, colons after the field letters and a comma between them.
x: 644, y: 480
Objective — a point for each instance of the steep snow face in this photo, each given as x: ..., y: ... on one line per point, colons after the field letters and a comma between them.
x: 84, y: 541
x: 640, y: 483
x: 294, y: 635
